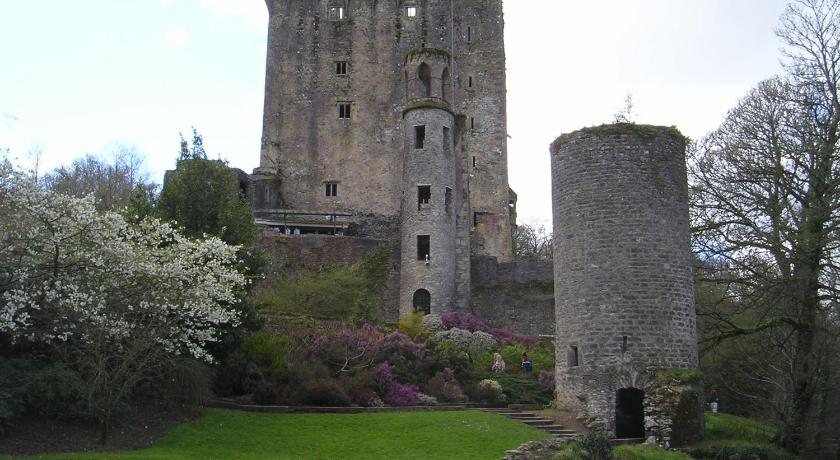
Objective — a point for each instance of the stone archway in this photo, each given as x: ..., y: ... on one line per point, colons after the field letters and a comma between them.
x: 629, y: 413
x: 422, y: 301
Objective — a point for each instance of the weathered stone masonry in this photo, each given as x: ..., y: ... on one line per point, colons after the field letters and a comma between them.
x: 623, y: 284
x: 347, y: 82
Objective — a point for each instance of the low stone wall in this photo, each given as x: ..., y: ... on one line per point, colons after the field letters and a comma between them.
x: 518, y: 296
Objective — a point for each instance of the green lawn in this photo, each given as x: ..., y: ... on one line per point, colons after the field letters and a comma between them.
x: 425, y: 435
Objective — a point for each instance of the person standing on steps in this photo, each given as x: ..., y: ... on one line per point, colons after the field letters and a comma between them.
x: 527, y: 366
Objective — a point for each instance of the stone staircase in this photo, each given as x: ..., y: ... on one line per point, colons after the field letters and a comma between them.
x: 536, y: 421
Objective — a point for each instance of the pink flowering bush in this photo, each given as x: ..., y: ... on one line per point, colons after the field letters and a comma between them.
x: 403, y: 395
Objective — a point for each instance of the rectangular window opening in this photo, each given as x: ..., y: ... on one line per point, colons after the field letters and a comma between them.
x: 332, y: 189
x: 423, y: 247
x: 470, y: 82
x: 344, y: 110
x: 336, y: 13
x: 419, y: 136
x: 572, y: 357
x: 411, y: 11
x: 624, y: 344
x: 447, y: 141
x: 341, y: 68
x: 448, y: 200
x: 424, y: 195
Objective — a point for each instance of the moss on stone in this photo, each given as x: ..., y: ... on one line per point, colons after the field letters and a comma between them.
x: 437, y: 52
x: 427, y: 103
x: 682, y: 376
x: 645, y: 132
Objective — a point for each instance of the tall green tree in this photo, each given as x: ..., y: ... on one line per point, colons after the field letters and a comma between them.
x: 766, y: 207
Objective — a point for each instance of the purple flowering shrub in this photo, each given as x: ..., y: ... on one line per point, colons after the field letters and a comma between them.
x: 450, y: 320
x: 445, y: 387
x: 403, y: 395
x: 383, y: 378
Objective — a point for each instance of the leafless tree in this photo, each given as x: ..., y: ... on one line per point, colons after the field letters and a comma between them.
x: 766, y: 206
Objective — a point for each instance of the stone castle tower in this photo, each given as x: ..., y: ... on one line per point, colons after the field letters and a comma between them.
x: 626, y: 334
x: 387, y: 119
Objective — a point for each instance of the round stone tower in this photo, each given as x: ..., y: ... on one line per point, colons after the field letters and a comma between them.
x: 428, y: 216
x: 626, y: 333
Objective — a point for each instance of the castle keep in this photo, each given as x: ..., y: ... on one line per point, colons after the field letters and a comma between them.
x: 387, y: 119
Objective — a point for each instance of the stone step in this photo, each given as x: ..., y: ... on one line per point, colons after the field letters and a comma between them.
x: 519, y: 414
x: 538, y: 423
x: 564, y: 432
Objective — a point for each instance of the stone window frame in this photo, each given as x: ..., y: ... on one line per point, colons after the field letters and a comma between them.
x: 331, y: 189
x: 419, y: 137
x: 573, y: 356
x: 424, y: 196
x: 411, y: 11
x: 345, y: 110
x: 342, y: 68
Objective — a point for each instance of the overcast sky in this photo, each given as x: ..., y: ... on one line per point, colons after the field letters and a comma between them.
x: 79, y: 75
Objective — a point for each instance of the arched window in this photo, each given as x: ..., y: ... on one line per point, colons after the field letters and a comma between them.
x: 422, y: 301
x: 445, y: 84
x: 424, y: 76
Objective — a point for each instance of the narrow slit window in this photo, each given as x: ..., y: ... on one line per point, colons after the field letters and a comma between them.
x: 448, y: 200
x: 469, y: 84
x: 572, y: 357
x: 411, y: 11
x: 469, y: 34
x: 337, y: 13
x: 423, y: 247
x: 344, y: 110
x: 419, y: 136
x: 341, y: 68
x: 332, y: 189
x: 472, y: 123
x: 424, y: 195
x: 624, y: 344
x: 474, y: 162
x: 447, y: 141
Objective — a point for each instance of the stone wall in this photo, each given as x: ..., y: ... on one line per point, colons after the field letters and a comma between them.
x: 623, y: 286
x: 297, y: 253
x: 518, y: 296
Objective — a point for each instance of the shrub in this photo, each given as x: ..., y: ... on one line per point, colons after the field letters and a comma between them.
x: 481, y: 342
x: 597, y: 446
x: 426, y: 400
x: 445, y: 387
x: 403, y: 395
x: 266, y: 394
x: 383, y: 378
x: 519, y: 390
x: 448, y: 355
x: 450, y: 320
x: 267, y: 351
x: 413, y: 326
x: 546, y: 379
x: 490, y: 391
x: 327, y: 392
x: 410, y: 361
x: 433, y: 323
x: 471, y: 323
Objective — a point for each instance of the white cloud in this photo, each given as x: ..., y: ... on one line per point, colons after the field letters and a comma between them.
x: 252, y: 12
x: 177, y: 37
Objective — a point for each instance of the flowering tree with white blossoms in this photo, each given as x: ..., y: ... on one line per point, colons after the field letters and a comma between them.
x: 113, y: 301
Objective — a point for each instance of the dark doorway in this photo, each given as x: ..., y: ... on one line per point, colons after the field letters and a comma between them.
x: 629, y: 413
x: 422, y: 301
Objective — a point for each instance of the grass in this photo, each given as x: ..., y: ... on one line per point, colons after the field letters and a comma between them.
x: 730, y: 431
x: 646, y: 453
x: 245, y: 435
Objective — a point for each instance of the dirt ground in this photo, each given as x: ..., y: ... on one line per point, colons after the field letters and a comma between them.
x: 138, y: 429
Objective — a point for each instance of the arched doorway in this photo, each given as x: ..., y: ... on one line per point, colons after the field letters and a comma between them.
x: 629, y: 413
x: 422, y: 301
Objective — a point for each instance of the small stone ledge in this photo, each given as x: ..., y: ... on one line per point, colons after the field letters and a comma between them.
x: 223, y: 404
x: 536, y: 450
